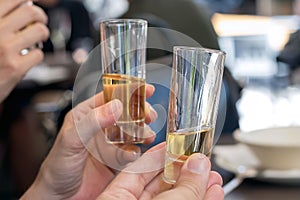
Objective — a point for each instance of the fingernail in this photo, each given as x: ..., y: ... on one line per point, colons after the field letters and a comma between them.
x: 151, y: 86
x: 130, y: 156
x: 133, y: 156
x: 198, y: 164
x: 113, y: 107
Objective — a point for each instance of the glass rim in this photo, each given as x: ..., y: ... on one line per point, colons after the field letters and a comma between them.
x: 123, y: 21
x: 200, y: 49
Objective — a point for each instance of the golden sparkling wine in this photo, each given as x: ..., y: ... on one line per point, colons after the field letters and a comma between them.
x: 129, y: 128
x: 182, y: 144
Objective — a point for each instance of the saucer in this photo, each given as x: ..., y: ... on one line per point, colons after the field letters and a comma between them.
x: 231, y: 157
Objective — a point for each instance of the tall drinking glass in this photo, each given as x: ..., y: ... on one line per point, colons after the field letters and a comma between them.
x: 194, y: 98
x: 123, y: 49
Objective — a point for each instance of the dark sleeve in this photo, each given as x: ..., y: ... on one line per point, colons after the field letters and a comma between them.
x: 81, y: 25
x: 291, y: 52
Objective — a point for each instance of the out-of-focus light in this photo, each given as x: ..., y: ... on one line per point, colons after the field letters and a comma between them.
x: 263, y: 108
x: 278, y: 36
x: 239, y: 25
x: 277, y: 28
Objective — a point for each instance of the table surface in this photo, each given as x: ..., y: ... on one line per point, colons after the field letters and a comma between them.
x: 252, y: 189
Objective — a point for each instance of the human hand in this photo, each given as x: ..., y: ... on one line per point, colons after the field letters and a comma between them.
x: 196, y: 181
x: 20, y: 27
x: 72, y: 168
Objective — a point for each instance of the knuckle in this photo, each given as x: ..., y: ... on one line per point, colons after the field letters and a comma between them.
x: 13, y: 65
x: 13, y: 69
x: 10, y: 64
x: 30, y: 12
x: 39, y: 55
x: 33, y: 13
x: 42, y: 30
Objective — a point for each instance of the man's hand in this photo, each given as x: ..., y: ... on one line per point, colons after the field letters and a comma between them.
x: 74, y: 167
x: 196, y: 181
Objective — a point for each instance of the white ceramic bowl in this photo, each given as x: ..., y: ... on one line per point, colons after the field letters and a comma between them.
x: 275, y: 148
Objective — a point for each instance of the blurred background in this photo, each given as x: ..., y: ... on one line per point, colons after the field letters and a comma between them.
x: 261, y: 80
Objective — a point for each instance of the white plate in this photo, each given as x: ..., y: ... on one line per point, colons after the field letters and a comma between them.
x: 44, y: 74
x: 275, y: 147
x: 230, y: 157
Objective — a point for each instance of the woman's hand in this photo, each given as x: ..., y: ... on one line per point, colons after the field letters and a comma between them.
x: 21, y: 27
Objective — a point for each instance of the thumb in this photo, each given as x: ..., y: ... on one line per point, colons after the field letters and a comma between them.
x: 193, y: 179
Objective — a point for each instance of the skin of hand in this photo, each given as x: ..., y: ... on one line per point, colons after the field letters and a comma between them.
x: 70, y: 171
x: 196, y: 181
x: 20, y: 27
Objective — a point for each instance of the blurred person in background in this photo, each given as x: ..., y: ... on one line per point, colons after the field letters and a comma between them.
x: 71, y: 28
x: 230, y: 6
x: 105, y: 9
x: 290, y: 54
